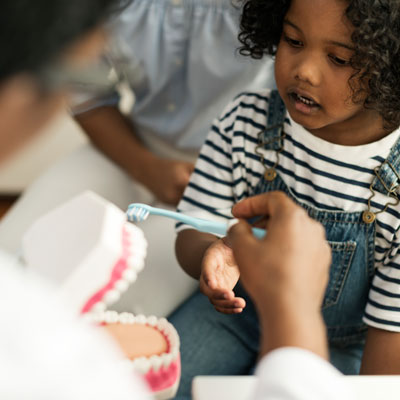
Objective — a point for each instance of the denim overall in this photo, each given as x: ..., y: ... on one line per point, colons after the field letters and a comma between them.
x: 351, y: 236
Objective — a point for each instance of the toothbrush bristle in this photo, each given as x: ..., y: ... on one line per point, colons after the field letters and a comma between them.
x: 137, y: 214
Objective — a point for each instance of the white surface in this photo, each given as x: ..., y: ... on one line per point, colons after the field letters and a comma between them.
x: 242, y: 387
x: 58, y: 139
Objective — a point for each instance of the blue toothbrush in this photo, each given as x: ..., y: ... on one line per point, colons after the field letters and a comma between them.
x: 138, y: 212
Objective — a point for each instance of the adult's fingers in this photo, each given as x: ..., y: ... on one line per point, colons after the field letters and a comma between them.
x: 236, y: 302
x: 229, y: 310
x: 239, y: 236
x: 263, y: 204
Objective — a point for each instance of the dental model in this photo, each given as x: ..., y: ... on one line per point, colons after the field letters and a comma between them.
x: 90, y: 251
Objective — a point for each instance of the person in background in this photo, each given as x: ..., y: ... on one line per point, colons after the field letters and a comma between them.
x: 181, y: 61
x: 44, y: 351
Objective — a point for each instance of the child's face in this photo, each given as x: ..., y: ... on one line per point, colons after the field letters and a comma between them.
x: 312, y: 72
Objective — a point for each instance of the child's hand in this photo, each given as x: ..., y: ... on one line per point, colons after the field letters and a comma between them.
x: 219, y: 275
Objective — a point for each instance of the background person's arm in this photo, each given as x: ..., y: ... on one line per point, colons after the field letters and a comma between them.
x: 113, y: 134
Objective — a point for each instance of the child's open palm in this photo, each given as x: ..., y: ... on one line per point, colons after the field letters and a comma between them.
x: 219, y: 275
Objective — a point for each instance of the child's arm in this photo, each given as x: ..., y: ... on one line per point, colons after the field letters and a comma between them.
x: 190, y: 247
x: 381, y: 353
x: 207, y: 258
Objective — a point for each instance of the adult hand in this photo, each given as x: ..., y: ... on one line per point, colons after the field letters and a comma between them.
x: 167, y: 179
x: 286, y: 272
x: 219, y: 275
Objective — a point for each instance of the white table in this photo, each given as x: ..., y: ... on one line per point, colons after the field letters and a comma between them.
x: 241, y: 387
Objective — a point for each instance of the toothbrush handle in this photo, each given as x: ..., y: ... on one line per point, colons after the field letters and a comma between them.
x: 259, y: 233
x: 200, y: 224
x: 219, y: 228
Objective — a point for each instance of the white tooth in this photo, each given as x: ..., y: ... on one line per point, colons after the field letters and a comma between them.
x: 162, y: 324
x: 172, y: 341
x: 98, y: 307
x: 130, y: 275
x: 135, y: 263
x: 136, y: 364
x: 152, y: 320
x: 175, y: 353
x: 156, y: 363
x: 145, y: 366
x: 140, y: 319
x: 166, y: 359
x: 122, y: 285
x: 126, y: 318
x: 111, y: 317
x: 111, y: 297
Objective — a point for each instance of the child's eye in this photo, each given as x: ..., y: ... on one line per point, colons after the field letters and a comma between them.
x: 339, y: 61
x: 293, y: 42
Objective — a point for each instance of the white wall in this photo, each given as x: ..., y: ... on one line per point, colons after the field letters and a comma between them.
x: 59, y: 138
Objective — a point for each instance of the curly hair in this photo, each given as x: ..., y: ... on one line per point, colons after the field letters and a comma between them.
x: 376, y: 39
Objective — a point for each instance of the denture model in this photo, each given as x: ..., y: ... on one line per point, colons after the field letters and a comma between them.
x: 90, y: 251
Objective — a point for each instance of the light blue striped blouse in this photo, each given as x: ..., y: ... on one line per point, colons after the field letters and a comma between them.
x: 180, y: 58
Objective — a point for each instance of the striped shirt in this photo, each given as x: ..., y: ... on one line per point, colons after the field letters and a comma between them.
x: 321, y: 174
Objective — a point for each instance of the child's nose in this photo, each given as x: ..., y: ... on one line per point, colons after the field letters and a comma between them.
x: 308, y: 69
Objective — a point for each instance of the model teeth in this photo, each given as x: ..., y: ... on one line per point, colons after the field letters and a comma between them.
x: 152, y: 320
x: 140, y: 319
x: 111, y: 317
x: 166, y: 359
x: 126, y: 318
x: 155, y: 362
x: 112, y: 296
x: 98, y: 307
x: 136, y: 262
x: 142, y: 365
x: 122, y: 285
x: 130, y: 275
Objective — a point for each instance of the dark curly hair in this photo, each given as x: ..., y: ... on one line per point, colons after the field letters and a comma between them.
x: 35, y: 32
x: 376, y: 38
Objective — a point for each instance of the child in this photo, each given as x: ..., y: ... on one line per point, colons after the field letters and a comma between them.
x: 330, y: 140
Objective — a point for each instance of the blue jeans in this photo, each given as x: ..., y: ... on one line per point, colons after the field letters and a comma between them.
x: 217, y: 344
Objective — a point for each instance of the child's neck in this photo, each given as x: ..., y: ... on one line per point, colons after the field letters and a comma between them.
x: 353, y: 132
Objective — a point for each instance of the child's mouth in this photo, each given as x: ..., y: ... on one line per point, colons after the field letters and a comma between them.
x: 303, y: 104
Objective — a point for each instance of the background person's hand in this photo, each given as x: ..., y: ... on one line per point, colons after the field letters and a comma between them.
x: 219, y: 275
x: 167, y: 179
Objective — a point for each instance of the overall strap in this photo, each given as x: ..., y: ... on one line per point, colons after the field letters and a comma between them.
x: 387, y: 176
x: 271, y: 137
